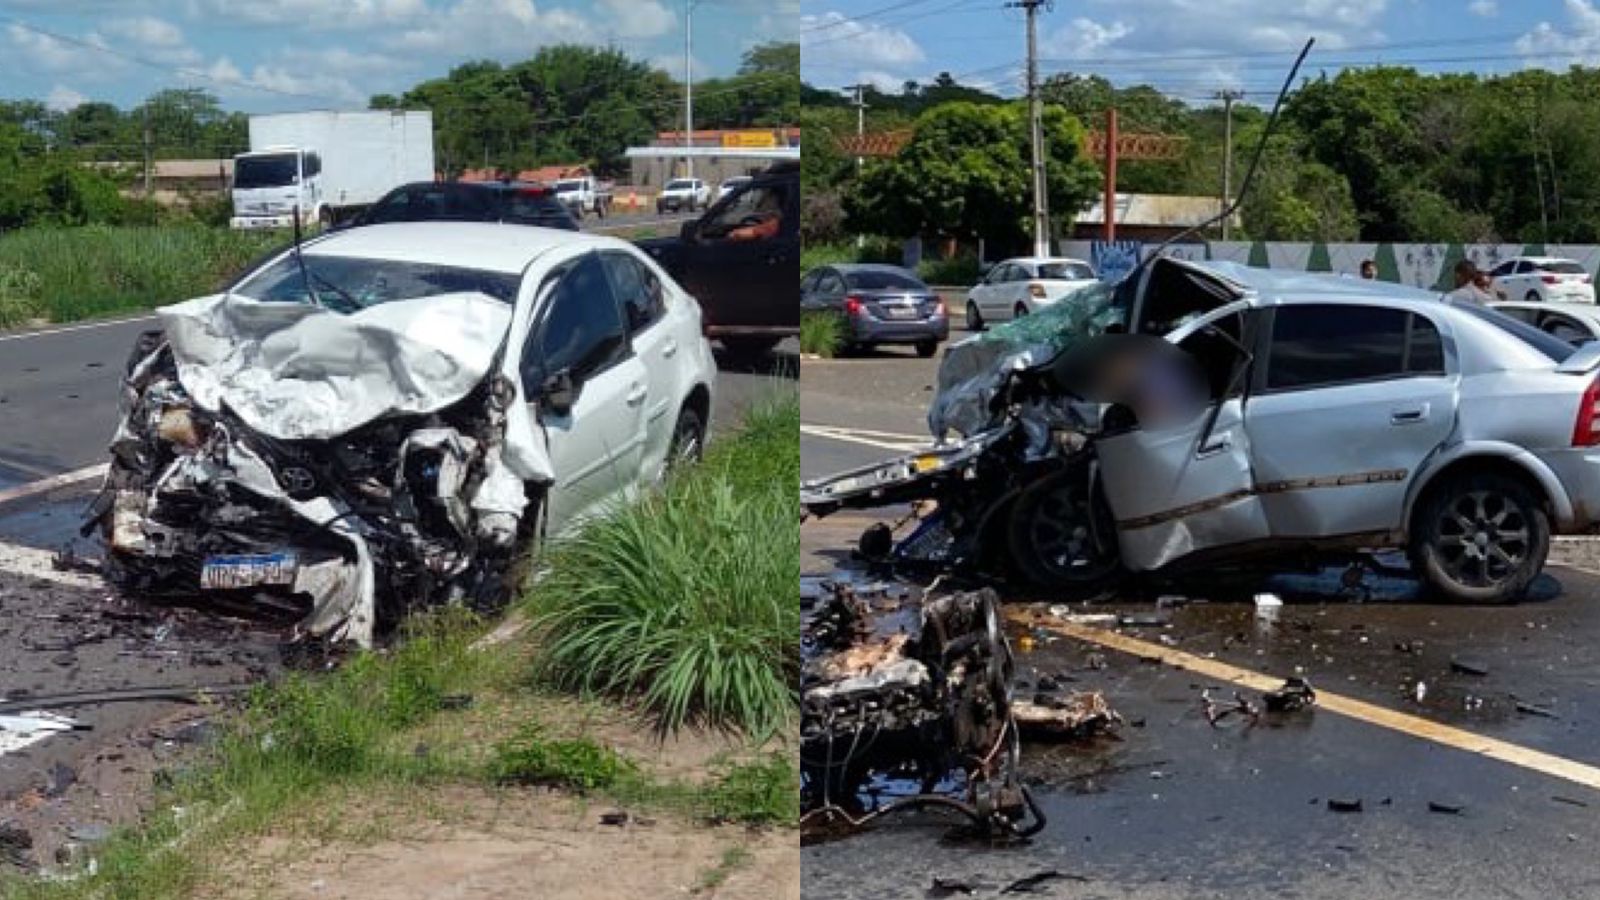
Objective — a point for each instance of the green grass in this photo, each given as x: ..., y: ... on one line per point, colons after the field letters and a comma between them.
x: 97, y: 270
x: 685, y: 601
x: 529, y: 757
x: 821, y: 333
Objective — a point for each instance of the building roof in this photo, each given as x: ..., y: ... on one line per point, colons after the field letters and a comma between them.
x: 540, y: 174
x: 1156, y: 210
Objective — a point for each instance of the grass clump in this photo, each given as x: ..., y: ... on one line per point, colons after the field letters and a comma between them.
x: 530, y: 757
x: 98, y: 270
x: 821, y: 333
x: 765, y: 792
x: 685, y: 600
x: 20, y: 290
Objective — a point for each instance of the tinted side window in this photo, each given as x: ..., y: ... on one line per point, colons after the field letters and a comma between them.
x: 582, y: 331
x: 637, y: 288
x: 1424, y: 348
x: 1321, y: 345
x: 830, y: 284
x: 809, y: 283
x: 313, y: 165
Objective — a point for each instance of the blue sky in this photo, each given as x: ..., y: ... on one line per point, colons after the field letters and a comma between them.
x: 273, y: 55
x: 1236, y: 44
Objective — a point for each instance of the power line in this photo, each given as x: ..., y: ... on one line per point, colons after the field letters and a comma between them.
x: 812, y: 45
x: 841, y: 20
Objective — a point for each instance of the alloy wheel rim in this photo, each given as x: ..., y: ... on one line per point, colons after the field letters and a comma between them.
x: 1483, y: 539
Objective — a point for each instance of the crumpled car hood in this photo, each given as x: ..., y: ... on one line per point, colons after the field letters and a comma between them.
x: 300, y: 372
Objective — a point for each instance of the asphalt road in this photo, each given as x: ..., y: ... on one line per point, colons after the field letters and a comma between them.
x: 1174, y: 808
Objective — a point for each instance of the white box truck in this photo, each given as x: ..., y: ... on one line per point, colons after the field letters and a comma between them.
x: 329, y: 165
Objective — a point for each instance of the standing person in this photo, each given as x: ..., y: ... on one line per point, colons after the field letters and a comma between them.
x: 1369, y: 270
x: 1472, y: 285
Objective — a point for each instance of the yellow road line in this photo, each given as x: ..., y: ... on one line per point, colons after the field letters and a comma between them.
x: 1360, y: 710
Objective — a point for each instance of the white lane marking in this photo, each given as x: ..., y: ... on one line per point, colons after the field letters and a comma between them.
x: 31, y: 562
x: 903, y: 443
x: 46, y: 485
x: 67, y: 329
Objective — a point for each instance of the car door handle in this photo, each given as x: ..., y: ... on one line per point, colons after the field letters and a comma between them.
x: 1216, y: 445
x: 1408, y: 415
x: 670, y: 348
x: 637, y: 394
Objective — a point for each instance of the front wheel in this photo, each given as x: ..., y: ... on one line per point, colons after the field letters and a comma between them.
x: 1533, y: 297
x: 926, y: 349
x: 1480, y: 539
x: 1062, y: 535
x: 688, y: 440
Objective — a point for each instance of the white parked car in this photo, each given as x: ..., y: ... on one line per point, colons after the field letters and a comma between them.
x: 685, y: 194
x: 1542, y: 278
x: 1575, y: 323
x: 729, y: 185
x: 1023, y: 286
x: 387, y: 419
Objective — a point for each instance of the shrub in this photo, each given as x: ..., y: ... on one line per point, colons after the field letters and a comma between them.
x: 821, y: 333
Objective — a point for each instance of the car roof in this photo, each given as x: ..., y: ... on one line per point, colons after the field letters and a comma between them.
x: 1291, y: 286
x: 1539, y: 259
x: 476, y: 186
x: 1581, y: 310
x: 1037, y: 260
x: 848, y: 268
x: 490, y: 246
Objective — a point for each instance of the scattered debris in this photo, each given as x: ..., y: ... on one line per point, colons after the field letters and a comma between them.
x: 1268, y: 606
x: 1032, y: 883
x: 89, y: 834
x: 1339, y: 805
x: 1421, y: 691
x: 619, y: 818
x: 61, y: 778
x: 1468, y: 667
x: 16, y: 845
x: 1448, y: 809
x: 1219, y: 712
x: 1144, y: 620
x: 1077, y: 716
x: 1570, y: 801
x: 1530, y: 709
x: 950, y: 887
x: 1295, y: 694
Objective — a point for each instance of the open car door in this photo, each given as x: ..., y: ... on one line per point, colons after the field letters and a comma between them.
x: 1188, y: 485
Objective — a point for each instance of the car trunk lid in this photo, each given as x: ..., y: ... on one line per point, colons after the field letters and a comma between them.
x: 898, y: 303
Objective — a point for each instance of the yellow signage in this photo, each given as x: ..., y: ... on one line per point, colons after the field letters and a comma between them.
x: 749, y: 139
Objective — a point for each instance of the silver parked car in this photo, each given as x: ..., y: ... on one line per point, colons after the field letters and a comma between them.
x: 1341, y: 415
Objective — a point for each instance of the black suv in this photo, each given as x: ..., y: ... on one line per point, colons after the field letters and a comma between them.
x: 512, y: 202
x: 741, y: 260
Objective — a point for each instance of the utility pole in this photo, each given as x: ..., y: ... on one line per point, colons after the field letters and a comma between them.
x: 688, y: 87
x: 1041, y: 198
x: 861, y: 129
x: 149, y: 153
x: 1227, y: 98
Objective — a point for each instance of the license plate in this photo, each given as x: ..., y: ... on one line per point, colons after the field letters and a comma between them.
x: 247, y: 570
x: 900, y: 312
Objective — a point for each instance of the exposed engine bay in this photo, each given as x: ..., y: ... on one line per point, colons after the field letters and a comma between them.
x: 343, y: 469
x: 905, y: 704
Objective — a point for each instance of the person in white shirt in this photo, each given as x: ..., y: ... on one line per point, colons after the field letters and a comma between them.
x: 1472, y: 285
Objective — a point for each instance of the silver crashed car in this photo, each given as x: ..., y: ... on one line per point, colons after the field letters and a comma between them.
x: 391, y: 417
x: 1338, y: 415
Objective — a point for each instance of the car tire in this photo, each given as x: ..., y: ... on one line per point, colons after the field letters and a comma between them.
x: 688, y: 440
x: 1020, y: 312
x: 926, y: 349
x: 325, y: 218
x: 1058, y: 516
x: 1461, y: 520
x: 1533, y: 297
x: 974, y: 318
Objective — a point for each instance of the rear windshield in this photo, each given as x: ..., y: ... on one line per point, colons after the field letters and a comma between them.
x: 1066, y: 271
x: 679, y: 185
x: 346, y: 284
x: 1548, y: 344
x: 1562, y: 267
x: 436, y: 203
x: 878, y: 281
x: 569, y: 185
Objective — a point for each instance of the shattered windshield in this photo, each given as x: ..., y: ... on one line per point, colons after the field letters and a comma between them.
x: 347, y: 284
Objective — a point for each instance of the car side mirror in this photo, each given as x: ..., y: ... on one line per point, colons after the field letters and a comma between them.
x: 559, y: 392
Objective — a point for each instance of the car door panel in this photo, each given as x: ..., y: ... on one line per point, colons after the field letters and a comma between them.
x: 654, y: 332
x: 1173, y: 495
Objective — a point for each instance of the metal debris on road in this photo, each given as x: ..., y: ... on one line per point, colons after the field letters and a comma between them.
x: 1079, y: 715
x: 1032, y: 883
x: 1468, y: 667
x: 1448, y: 809
x: 1219, y: 712
x: 1295, y: 694
x: 1339, y: 805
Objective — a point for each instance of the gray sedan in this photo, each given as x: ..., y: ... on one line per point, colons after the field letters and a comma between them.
x: 879, y: 304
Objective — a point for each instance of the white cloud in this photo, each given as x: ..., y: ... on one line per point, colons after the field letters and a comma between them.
x: 833, y: 44
x: 41, y: 51
x: 313, y: 14
x: 64, y: 99
x: 1487, y: 9
x: 1086, y: 37
x: 672, y: 64
x: 637, y: 18
x: 495, y: 28
x: 148, y: 37
x: 1578, y: 42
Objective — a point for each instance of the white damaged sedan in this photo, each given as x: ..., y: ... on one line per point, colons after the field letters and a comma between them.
x: 382, y: 420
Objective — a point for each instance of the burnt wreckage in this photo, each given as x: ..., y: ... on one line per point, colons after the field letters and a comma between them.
x: 905, y: 704
x: 344, y: 468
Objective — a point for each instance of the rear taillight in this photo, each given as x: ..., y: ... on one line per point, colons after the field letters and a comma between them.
x: 1036, y: 291
x: 1583, y: 430
x: 1549, y: 279
x: 853, y: 306
x: 939, y: 307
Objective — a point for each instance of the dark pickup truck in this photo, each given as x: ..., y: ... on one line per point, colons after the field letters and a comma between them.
x: 741, y: 260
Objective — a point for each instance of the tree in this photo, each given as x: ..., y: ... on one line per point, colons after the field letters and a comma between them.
x: 965, y: 174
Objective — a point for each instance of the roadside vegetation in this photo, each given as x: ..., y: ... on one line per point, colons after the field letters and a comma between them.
x: 62, y: 274
x: 821, y: 334
x: 704, y: 587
